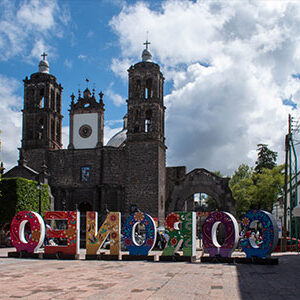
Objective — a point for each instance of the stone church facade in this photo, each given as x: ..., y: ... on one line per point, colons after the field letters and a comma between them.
x: 129, y: 172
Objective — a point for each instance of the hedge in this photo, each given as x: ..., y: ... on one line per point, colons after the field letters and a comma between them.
x: 19, y: 194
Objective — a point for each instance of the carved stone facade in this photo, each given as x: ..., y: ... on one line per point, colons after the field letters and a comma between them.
x: 131, y: 173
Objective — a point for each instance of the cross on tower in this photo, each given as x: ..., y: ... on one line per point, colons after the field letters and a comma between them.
x: 147, y: 43
x: 44, y: 55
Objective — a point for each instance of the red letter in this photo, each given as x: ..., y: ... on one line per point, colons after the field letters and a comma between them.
x: 71, y: 233
x: 17, y: 228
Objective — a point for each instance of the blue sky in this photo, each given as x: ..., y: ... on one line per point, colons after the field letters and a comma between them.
x: 231, y: 68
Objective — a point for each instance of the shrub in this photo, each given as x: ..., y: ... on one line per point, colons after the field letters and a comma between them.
x: 21, y: 194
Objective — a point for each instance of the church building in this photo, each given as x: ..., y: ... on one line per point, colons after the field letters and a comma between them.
x: 127, y: 173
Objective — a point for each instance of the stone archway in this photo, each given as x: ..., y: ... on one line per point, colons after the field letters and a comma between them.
x: 85, y: 206
x: 206, y: 182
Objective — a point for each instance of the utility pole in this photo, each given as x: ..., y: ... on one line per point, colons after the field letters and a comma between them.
x: 291, y: 172
x: 284, y: 233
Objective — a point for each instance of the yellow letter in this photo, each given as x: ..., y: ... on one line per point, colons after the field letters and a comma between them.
x: 111, y: 226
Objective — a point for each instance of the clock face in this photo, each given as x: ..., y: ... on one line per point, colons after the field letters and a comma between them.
x: 85, y: 131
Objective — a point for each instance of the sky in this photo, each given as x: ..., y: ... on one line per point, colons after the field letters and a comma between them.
x: 231, y: 68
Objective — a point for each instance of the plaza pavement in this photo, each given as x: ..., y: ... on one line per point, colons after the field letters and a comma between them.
x: 81, y: 279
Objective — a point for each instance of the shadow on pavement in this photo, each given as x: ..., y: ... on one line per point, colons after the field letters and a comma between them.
x: 280, y: 281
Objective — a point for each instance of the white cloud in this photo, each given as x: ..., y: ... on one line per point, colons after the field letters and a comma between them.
x: 110, y: 123
x: 68, y: 63
x: 120, y: 67
x: 216, y: 115
x: 37, y: 14
x: 90, y: 34
x: 117, y: 99
x: 82, y: 56
x: 65, y: 136
x: 11, y: 120
x: 25, y: 26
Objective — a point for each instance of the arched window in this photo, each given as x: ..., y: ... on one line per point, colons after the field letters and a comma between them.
x: 41, y: 129
x: 148, y: 89
x: 42, y: 98
x: 148, y: 120
x: 136, y: 127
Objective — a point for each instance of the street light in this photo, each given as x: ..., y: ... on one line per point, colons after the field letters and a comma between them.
x: 39, y: 187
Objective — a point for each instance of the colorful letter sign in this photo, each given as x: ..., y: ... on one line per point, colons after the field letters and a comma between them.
x: 185, y: 236
x: 35, y: 236
x: 259, y: 238
x: 95, y: 239
x: 209, y: 232
x: 269, y: 234
x: 128, y: 231
x: 71, y: 233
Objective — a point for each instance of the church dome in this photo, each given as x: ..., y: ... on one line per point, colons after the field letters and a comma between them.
x: 146, y: 55
x: 44, y: 66
x: 118, y: 139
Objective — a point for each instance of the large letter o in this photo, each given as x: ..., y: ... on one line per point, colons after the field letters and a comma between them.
x: 17, y: 228
x: 209, y: 233
x: 269, y: 234
x: 128, y: 231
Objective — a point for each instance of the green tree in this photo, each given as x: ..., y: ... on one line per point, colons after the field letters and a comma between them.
x: 243, y: 172
x: 252, y: 190
x: 243, y: 188
x: 269, y: 187
x: 266, y: 158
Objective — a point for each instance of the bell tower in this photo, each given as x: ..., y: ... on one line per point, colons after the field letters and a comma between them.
x: 145, y: 102
x: 42, y: 119
x: 145, y: 137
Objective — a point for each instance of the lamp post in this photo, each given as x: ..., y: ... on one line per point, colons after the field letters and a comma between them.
x: 39, y: 187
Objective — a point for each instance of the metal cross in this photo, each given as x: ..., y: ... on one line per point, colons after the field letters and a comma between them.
x: 147, y: 43
x: 44, y: 55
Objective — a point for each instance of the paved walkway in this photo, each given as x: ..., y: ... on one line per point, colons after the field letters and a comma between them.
x: 80, y: 279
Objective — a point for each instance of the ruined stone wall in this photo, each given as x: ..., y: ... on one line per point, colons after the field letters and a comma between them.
x: 173, y: 175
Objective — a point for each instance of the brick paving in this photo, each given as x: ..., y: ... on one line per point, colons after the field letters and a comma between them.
x: 81, y: 279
